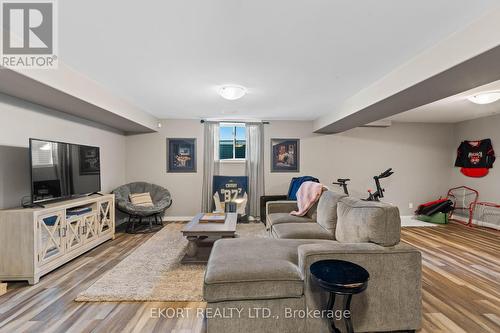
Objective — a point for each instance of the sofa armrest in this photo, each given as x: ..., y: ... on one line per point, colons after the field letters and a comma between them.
x: 282, y: 206
x: 393, y: 299
x: 264, y: 199
x: 310, y: 253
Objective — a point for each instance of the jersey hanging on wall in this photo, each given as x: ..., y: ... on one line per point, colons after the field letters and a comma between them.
x: 230, y: 189
x: 475, y: 157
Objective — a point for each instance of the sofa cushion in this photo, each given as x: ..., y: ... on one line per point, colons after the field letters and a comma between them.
x: 278, y: 218
x: 301, y: 231
x: 254, y: 268
x: 312, y: 213
x: 327, y: 210
x: 367, y: 221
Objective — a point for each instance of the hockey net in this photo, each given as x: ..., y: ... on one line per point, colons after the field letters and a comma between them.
x: 464, y: 202
x: 487, y: 214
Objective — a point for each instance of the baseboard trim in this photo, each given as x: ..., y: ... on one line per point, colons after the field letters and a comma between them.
x: 177, y: 218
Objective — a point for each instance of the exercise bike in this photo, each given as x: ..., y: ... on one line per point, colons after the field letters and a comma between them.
x: 380, y: 191
x: 342, y: 182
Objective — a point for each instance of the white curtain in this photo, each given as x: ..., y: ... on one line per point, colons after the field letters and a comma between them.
x: 255, y: 165
x: 210, y: 163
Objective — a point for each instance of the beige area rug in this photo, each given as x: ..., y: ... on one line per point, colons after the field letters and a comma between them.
x: 153, y: 271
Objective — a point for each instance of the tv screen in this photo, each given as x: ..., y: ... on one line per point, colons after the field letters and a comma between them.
x: 61, y: 170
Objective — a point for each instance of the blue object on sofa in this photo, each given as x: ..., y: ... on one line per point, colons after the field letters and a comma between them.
x: 295, y: 184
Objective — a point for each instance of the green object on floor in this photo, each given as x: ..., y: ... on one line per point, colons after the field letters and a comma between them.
x: 438, y: 218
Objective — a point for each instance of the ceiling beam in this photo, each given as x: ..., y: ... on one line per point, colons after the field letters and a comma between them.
x: 66, y: 90
x: 466, y: 60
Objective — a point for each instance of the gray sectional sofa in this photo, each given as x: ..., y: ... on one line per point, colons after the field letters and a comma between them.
x: 267, y: 281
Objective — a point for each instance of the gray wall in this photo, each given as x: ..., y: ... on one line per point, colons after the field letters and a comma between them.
x: 14, y: 175
x: 20, y: 120
x: 419, y: 153
x: 146, y: 160
x: 477, y: 129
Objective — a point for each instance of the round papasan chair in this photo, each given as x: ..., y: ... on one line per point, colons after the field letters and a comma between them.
x: 160, y: 196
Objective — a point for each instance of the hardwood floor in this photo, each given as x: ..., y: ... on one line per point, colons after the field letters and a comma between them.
x: 461, y: 289
x: 49, y: 306
x: 461, y: 277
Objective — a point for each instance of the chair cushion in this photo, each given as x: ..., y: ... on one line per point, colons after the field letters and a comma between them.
x: 141, y: 199
x: 327, y: 210
x: 301, y: 231
x: 278, y: 218
x: 160, y: 198
x: 367, y: 221
x: 254, y: 268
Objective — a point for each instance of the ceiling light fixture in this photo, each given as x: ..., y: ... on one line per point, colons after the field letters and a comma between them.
x: 232, y: 92
x: 485, y: 97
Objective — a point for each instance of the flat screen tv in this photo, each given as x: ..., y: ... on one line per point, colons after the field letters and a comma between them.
x: 61, y: 170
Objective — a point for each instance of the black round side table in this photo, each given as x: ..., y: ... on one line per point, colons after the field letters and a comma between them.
x: 340, y: 277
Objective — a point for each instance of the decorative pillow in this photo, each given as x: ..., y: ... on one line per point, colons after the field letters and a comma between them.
x: 141, y: 199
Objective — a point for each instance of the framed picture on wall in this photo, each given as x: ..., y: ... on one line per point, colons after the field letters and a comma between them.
x: 285, y: 155
x: 181, y: 155
x: 89, y: 160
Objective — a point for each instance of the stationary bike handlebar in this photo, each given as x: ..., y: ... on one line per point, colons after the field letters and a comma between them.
x: 343, y: 183
x: 385, y: 174
x: 380, y: 191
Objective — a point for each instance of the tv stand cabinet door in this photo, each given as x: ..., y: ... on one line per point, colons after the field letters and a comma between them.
x: 74, y: 233
x: 90, y: 228
x: 50, y: 237
x: 106, y: 217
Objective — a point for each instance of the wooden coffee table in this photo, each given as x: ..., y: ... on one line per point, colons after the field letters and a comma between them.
x: 201, y: 236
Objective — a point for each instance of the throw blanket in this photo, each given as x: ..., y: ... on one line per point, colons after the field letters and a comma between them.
x: 307, y: 195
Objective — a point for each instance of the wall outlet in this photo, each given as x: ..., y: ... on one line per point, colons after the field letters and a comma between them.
x: 410, y: 205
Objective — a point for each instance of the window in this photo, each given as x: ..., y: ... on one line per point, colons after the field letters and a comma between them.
x: 232, y: 141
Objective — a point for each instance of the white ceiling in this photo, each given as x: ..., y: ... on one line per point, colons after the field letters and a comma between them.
x: 298, y: 59
x: 453, y: 109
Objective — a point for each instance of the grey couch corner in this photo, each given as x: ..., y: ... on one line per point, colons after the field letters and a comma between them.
x: 274, y: 273
x: 319, y: 223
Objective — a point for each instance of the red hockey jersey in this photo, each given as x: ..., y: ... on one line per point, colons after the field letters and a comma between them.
x: 475, y: 157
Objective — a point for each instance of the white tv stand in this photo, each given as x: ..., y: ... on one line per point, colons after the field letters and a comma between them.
x: 35, y: 241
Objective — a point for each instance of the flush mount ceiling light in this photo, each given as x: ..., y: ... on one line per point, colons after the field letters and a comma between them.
x: 485, y: 97
x: 232, y: 92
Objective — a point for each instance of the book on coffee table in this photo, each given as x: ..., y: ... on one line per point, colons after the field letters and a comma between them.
x: 213, y: 218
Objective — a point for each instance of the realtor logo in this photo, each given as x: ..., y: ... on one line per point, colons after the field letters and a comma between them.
x: 28, y: 34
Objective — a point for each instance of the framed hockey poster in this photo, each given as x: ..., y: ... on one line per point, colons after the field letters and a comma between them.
x: 181, y: 155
